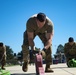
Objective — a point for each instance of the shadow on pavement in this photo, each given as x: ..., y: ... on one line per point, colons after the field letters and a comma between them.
x: 24, y: 74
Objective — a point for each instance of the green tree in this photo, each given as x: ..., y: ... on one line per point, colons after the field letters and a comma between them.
x: 9, y: 52
x: 20, y: 55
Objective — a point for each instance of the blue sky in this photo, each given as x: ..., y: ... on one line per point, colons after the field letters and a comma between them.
x: 15, y: 13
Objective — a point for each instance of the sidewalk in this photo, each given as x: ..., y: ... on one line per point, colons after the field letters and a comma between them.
x: 59, y: 69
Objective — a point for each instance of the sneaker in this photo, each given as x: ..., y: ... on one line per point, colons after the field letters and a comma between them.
x: 25, y: 66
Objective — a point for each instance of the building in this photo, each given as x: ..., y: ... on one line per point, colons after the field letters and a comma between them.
x: 59, y: 56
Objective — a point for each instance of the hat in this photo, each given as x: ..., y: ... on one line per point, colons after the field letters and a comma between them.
x: 41, y: 17
x: 71, y: 39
